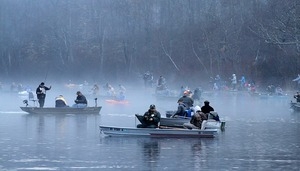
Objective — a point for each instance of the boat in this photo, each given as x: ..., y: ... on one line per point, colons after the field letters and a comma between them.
x: 61, y: 110
x: 266, y: 95
x: 112, y: 101
x: 157, y: 132
x: 295, y: 106
x: 179, y: 121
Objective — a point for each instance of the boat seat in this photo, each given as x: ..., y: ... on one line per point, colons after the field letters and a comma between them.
x: 31, y: 97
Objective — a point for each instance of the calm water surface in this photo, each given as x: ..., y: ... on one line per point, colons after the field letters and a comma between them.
x: 261, y: 134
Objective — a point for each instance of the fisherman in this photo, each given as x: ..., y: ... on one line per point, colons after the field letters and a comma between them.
x: 209, y: 111
x: 80, y: 101
x: 297, y: 97
x: 148, y: 79
x: 196, y: 121
x: 151, y: 118
x: 41, y: 93
x: 197, y: 95
x: 95, y: 89
x: 181, y: 109
x: 187, y: 100
x: 233, y: 82
x: 60, y: 101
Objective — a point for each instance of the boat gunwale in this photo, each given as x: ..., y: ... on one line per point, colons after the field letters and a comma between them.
x: 62, y: 110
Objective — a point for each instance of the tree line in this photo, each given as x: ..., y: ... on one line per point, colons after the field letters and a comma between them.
x: 183, y: 40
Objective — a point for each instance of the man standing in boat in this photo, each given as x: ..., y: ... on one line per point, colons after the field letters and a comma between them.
x: 151, y: 118
x: 41, y: 93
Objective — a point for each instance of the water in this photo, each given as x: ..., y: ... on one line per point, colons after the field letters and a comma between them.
x: 261, y: 134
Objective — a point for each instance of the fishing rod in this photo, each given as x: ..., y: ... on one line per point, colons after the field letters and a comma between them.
x: 46, y: 74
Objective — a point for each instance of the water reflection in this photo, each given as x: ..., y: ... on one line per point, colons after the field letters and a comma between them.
x: 261, y: 134
x: 197, y: 155
x: 72, y: 126
x: 151, y: 151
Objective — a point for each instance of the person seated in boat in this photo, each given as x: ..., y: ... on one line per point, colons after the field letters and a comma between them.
x: 181, y: 109
x: 209, y: 111
x: 161, y: 84
x: 279, y: 91
x: 60, y: 101
x: 206, y: 108
x: 187, y: 100
x: 80, y: 101
x: 297, y: 97
x: 151, y: 118
x: 95, y: 89
x: 197, y: 121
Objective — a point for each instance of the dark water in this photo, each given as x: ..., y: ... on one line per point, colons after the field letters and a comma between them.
x: 261, y: 134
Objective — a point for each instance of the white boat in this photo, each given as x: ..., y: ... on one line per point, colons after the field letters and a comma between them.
x: 157, y: 132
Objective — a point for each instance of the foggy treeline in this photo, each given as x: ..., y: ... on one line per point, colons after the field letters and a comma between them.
x: 122, y: 39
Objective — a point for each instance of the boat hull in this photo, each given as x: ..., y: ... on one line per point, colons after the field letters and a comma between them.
x: 158, y: 132
x: 62, y: 110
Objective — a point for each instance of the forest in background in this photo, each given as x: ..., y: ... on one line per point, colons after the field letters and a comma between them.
x: 119, y: 40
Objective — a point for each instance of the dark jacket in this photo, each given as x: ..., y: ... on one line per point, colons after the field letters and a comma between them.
x: 188, y: 101
x: 81, y: 99
x: 41, y: 91
x: 152, y: 118
x: 181, y: 110
x: 197, y: 119
x: 206, y: 108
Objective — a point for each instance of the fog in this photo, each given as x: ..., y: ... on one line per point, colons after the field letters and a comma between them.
x: 117, y: 41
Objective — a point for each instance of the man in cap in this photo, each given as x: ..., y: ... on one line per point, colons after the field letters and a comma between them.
x: 209, y: 111
x: 151, y: 118
x: 41, y: 93
x: 206, y: 108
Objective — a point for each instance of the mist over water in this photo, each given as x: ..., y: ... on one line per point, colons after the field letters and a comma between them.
x: 260, y: 134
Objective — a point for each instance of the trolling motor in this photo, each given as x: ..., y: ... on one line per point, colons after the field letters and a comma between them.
x: 95, y: 102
